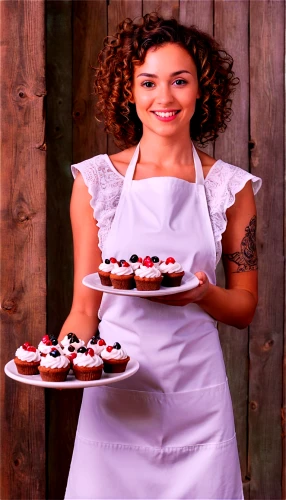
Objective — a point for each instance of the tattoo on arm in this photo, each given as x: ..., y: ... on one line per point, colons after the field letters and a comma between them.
x: 246, y: 259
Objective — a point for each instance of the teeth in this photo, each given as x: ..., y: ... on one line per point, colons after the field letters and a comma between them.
x: 165, y: 115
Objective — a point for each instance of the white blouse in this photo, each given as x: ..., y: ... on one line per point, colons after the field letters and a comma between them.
x: 105, y: 183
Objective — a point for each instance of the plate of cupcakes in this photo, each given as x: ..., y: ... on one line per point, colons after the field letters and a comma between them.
x: 141, y: 277
x: 70, y: 364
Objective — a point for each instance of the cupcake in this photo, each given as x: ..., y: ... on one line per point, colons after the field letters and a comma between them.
x: 97, y: 344
x: 114, y: 359
x: 71, y: 358
x: 47, y: 343
x: 122, y: 276
x: 27, y: 359
x: 172, y: 272
x: 135, y: 262
x: 148, y: 276
x: 87, y: 365
x: 66, y: 341
x: 54, y: 367
x: 71, y: 344
x: 105, y: 269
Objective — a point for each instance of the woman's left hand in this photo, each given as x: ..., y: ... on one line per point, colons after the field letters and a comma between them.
x: 184, y: 298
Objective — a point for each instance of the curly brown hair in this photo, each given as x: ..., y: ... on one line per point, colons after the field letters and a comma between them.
x: 128, y: 47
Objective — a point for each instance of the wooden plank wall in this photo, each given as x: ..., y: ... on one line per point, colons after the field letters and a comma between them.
x: 23, y: 241
x: 253, y: 32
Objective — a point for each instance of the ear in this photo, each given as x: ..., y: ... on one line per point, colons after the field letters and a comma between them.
x: 199, y: 94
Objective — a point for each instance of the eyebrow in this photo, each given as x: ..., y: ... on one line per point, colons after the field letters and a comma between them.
x: 176, y: 73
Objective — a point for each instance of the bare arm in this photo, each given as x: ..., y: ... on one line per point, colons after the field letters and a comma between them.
x: 83, y: 317
x: 234, y: 305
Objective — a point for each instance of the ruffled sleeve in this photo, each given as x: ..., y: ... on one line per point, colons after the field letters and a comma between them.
x: 104, y: 187
x: 221, y: 185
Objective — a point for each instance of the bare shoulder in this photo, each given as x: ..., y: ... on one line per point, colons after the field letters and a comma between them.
x: 122, y: 159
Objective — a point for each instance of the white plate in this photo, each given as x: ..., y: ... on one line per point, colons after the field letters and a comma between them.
x: 71, y: 382
x: 189, y: 281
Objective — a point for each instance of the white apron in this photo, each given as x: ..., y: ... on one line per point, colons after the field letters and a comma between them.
x: 168, y: 431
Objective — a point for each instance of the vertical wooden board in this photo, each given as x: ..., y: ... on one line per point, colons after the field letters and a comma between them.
x: 199, y: 14
x: 266, y: 331
x: 165, y: 8
x: 283, y: 412
x: 89, y: 31
x: 118, y: 10
x: 231, y: 30
x: 23, y: 242
x: 61, y: 416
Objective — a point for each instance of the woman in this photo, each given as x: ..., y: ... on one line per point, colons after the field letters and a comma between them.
x: 168, y: 431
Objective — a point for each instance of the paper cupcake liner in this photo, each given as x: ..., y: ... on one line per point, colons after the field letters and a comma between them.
x: 104, y: 278
x: 115, y: 365
x: 148, y: 284
x: 53, y: 374
x: 26, y: 368
x: 173, y: 279
x: 87, y: 373
x: 123, y: 282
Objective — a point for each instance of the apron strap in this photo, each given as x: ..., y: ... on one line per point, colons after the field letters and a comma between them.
x: 132, y: 165
x: 131, y: 169
x: 198, y: 167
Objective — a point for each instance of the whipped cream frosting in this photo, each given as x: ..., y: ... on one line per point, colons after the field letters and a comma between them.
x: 65, y: 341
x: 106, y: 268
x: 97, y: 348
x: 76, y: 346
x: 25, y: 355
x: 114, y: 354
x: 58, y: 362
x: 87, y: 360
x: 45, y: 349
x: 122, y: 271
x: 135, y: 265
x: 170, y: 268
x: 148, y: 272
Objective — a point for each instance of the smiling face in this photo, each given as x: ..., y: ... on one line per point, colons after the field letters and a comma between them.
x: 165, y: 90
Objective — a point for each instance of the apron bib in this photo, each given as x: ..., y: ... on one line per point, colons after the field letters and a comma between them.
x: 168, y: 431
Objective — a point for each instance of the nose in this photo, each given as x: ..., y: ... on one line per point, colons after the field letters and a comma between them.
x: 165, y: 95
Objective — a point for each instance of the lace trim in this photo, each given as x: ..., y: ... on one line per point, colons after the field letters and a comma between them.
x: 105, y: 185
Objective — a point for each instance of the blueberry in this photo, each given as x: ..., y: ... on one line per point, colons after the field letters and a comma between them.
x: 82, y: 349
x: 107, y: 261
x: 122, y: 261
x: 71, y: 348
x: 133, y: 258
x: 70, y: 335
x: 74, y: 338
x: 55, y: 353
x: 116, y: 345
x: 93, y: 341
x: 54, y: 341
x: 155, y: 259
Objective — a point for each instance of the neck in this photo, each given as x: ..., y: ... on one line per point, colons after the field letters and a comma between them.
x: 166, y: 150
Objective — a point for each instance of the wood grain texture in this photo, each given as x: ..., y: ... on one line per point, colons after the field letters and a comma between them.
x: 266, y: 331
x: 89, y: 31
x: 231, y: 31
x: 283, y: 411
x: 23, y: 241
x: 165, y: 8
x: 118, y: 10
x: 61, y: 416
x: 199, y: 14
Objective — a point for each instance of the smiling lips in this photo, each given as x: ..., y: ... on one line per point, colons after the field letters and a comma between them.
x: 165, y: 116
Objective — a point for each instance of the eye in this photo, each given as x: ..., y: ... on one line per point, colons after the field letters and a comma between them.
x: 147, y: 84
x: 180, y: 81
